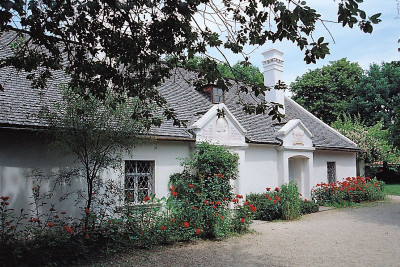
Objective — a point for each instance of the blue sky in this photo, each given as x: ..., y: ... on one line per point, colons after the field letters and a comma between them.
x: 352, y: 44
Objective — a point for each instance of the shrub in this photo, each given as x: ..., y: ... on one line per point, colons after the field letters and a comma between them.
x: 267, y: 204
x: 290, y: 201
x: 202, y: 193
x: 350, y: 190
x: 308, y: 207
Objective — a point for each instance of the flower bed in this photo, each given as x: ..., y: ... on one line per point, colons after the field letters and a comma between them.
x: 350, y: 190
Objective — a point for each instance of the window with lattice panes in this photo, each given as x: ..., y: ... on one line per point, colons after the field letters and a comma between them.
x: 217, y: 95
x: 331, y: 172
x: 139, y: 180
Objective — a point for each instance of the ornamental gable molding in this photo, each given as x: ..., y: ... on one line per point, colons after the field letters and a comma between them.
x: 295, y: 134
x: 224, y: 130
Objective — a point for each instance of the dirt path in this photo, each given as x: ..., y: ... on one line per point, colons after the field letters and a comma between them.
x: 365, y: 236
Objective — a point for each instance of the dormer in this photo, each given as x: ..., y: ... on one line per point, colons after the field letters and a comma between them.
x: 213, y: 93
x: 223, y: 130
x: 294, y: 134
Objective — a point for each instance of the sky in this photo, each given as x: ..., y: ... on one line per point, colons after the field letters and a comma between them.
x: 353, y: 44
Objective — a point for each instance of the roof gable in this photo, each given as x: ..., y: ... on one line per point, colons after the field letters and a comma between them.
x: 224, y: 130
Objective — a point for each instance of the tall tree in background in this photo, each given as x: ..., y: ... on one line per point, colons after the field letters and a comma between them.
x: 327, y: 92
x: 240, y: 71
x: 120, y: 46
x: 378, y: 98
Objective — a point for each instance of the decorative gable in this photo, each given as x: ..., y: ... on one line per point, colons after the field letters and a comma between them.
x: 295, y: 134
x: 223, y: 130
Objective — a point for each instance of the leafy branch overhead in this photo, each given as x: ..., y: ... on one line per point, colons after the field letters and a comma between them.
x: 120, y: 46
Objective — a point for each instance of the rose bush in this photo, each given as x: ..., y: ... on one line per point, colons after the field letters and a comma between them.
x: 350, y: 190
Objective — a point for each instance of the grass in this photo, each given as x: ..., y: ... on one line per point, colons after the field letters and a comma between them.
x: 393, y: 189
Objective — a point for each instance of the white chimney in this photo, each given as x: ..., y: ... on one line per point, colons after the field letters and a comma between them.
x: 273, y: 72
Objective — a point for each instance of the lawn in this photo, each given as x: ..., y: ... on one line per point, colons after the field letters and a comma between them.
x: 393, y: 189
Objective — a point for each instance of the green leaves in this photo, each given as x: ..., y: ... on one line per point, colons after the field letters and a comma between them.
x: 121, y: 47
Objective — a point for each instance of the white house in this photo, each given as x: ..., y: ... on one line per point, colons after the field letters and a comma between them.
x: 300, y: 148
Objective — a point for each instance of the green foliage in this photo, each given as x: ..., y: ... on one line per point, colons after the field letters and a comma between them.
x: 308, y: 207
x: 290, y: 201
x: 268, y: 207
x: 377, y: 98
x: 351, y: 190
x: 95, y: 132
x: 282, y: 203
x: 327, y: 92
x: 203, y: 192
x: 373, y: 140
x: 101, y: 43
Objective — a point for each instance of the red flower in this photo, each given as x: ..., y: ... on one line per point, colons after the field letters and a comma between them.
x: 278, y: 198
x: 274, y: 201
x: 173, y: 220
x: 218, y: 203
x: 214, y: 207
x: 277, y: 189
x: 206, y: 202
x: 300, y: 195
x: 146, y: 198
x: 268, y: 188
x: 246, y: 203
x: 63, y: 212
x: 56, y: 216
x: 172, y: 188
x: 252, y: 208
x: 50, y: 224
x: 68, y: 229
x: 197, y: 231
x: 211, y: 203
x: 162, y: 227
x: 87, y: 210
x: 242, y: 220
x: 186, y: 224
x: 191, y: 185
x: 235, y: 200
x: 269, y: 198
x: 174, y: 194
x: 225, y: 198
x: 222, y: 217
x: 305, y: 200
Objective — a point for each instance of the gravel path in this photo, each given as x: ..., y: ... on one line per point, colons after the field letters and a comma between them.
x: 364, y: 236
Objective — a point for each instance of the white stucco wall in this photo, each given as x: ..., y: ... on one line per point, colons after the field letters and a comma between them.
x: 260, y: 170
x: 345, y: 165
x: 21, y: 152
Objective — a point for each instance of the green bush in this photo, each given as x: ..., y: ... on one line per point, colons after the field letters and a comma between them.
x: 308, y: 207
x: 290, y: 201
x: 350, y: 190
x: 268, y: 206
x: 203, y: 190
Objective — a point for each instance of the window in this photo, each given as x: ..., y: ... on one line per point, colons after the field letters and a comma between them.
x: 139, y: 180
x: 217, y: 95
x: 331, y: 169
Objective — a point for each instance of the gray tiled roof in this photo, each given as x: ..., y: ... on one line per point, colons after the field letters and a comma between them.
x: 19, y: 103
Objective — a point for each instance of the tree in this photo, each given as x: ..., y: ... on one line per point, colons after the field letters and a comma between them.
x: 120, y: 46
x: 95, y: 132
x: 328, y: 92
x: 373, y: 140
x: 378, y: 98
x: 241, y: 71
